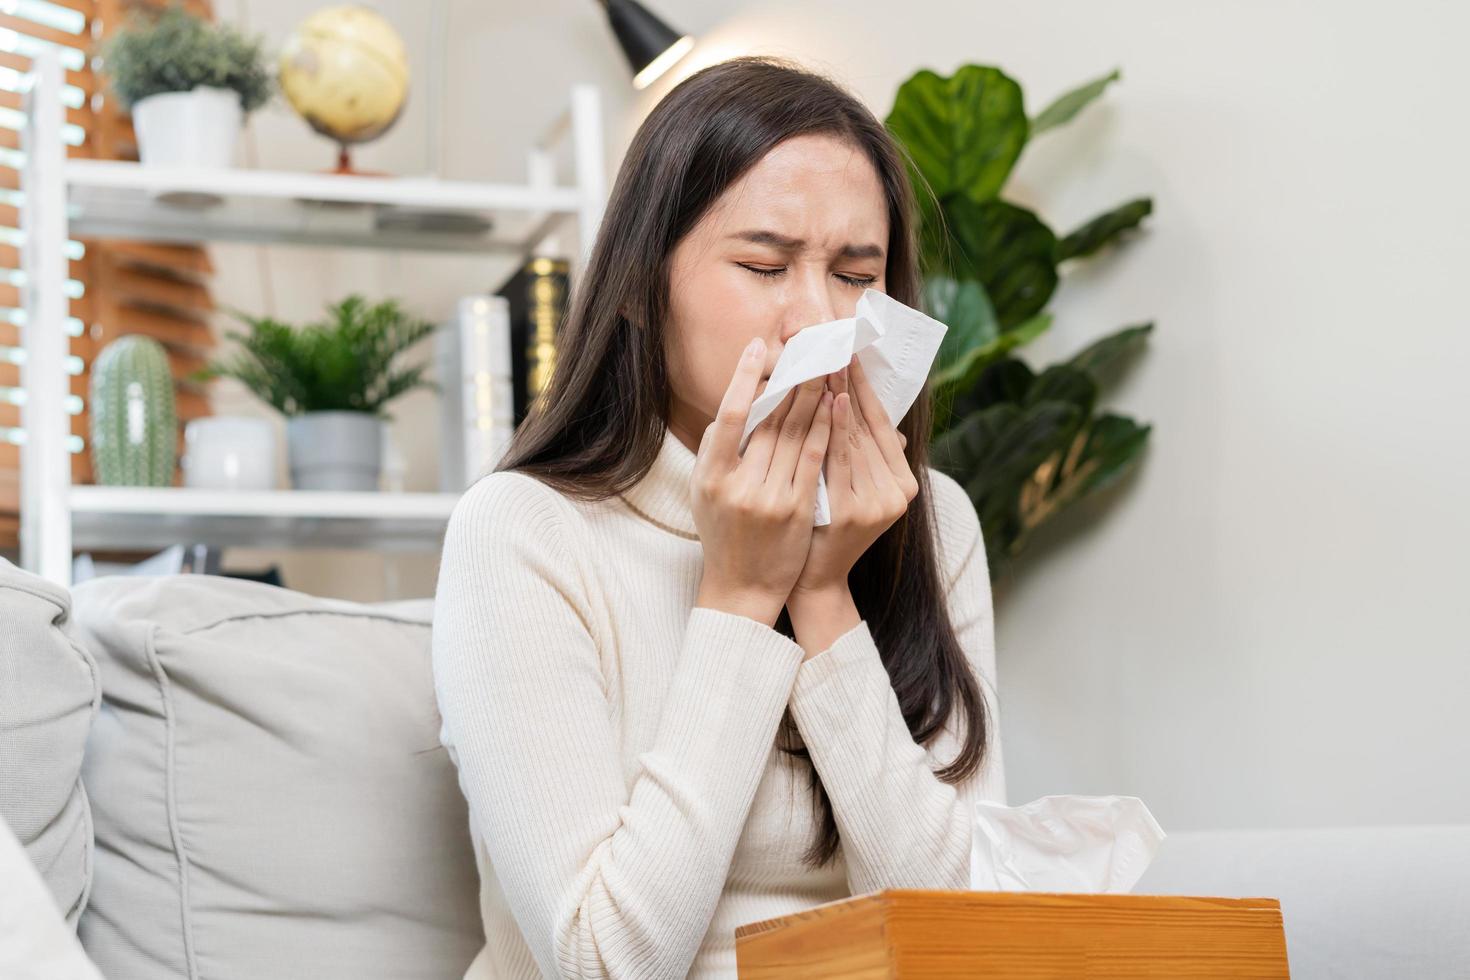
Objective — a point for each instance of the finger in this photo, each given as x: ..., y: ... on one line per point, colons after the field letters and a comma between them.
x: 729, y: 424
x: 839, y: 450
x: 885, y: 436
x: 793, y: 432
x: 864, y: 452
x: 758, y: 451
x: 814, y: 450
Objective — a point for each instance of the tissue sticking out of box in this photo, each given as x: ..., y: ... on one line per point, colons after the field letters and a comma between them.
x: 1063, y: 844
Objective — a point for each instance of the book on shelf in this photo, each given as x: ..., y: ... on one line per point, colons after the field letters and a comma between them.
x: 537, y: 298
x: 495, y: 359
x: 474, y: 355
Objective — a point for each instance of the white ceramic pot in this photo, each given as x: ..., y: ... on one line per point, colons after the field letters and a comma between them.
x: 335, y: 450
x: 197, y: 128
x: 226, y: 452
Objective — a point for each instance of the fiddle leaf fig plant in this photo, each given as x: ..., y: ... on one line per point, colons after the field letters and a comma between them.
x: 1024, y: 444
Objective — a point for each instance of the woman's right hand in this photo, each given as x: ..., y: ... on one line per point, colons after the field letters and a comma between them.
x: 754, y: 511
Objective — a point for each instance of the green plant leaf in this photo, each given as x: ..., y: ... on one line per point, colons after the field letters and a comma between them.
x: 1063, y: 383
x: 1007, y: 380
x: 963, y: 307
x: 1102, y: 356
x: 1008, y: 249
x: 950, y: 388
x: 1067, y: 106
x: 1094, y: 456
x: 175, y: 51
x: 993, y: 451
x: 964, y: 372
x: 962, y: 133
x: 1103, y: 229
x: 1112, y: 449
x: 1003, y: 443
x: 344, y: 363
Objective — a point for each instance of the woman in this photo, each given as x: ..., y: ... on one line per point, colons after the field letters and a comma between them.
x: 676, y: 707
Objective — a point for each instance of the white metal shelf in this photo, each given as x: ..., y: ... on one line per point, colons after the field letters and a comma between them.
x: 121, y: 199
x: 156, y: 517
x: 65, y: 198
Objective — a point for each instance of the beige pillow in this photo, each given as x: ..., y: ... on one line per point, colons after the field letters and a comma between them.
x: 48, y: 698
x: 268, y: 789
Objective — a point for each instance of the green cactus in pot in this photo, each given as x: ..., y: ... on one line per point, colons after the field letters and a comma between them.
x: 134, y: 422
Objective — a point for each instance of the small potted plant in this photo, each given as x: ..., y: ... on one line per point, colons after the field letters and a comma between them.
x: 332, y: 380
x: 189, y: 85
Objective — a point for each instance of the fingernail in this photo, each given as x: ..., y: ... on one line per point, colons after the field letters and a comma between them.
x: 755, y: 348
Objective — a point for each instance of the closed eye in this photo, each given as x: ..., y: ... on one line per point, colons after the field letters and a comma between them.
x: 858, y: 282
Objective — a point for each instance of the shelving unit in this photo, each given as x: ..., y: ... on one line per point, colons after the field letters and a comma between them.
x: 110, y: 199
x: 148, y: 517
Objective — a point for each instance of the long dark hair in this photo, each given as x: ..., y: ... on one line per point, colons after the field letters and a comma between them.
x: 599, y: 425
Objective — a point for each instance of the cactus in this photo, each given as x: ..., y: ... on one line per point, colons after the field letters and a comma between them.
x: 134, y: 425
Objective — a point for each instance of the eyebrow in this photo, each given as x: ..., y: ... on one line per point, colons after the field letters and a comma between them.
x: 786, y: 243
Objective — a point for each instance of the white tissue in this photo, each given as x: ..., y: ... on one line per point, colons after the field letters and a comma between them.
x: 1063, y: 844
x: 895, y: 344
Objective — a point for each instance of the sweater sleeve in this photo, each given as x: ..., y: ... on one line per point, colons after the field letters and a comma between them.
x: 901, y: 826
x: 605, y: 877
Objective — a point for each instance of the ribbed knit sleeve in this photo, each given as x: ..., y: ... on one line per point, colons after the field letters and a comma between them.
x: 901, y: 826
x: 604, y: 879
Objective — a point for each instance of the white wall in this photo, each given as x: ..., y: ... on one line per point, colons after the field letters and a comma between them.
x: 1268, y: 626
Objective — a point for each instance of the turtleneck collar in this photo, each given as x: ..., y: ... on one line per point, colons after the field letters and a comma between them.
x: 662, y: 495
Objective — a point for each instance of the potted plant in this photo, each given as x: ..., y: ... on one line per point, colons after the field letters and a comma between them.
x: 189, y: 85
x: 1025, y: 443
x: 332, y: 380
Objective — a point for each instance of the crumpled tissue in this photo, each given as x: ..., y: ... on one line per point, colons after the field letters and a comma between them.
x: 896, y: 345
x: 1063, y: 844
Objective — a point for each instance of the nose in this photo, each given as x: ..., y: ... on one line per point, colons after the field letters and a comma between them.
x: 810, y: 303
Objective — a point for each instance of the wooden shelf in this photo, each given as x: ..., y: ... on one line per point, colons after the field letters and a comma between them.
x: 127, y: 518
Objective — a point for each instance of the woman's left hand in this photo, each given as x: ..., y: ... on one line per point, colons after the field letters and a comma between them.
x: 869, y: 483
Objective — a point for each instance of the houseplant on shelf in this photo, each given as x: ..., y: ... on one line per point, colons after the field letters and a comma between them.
x: 332, y: 380
x: 1025, y: 444
x: 134, y: 425
x: 189, y: 85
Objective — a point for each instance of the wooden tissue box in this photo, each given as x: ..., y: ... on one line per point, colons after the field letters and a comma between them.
x: 926, y: 935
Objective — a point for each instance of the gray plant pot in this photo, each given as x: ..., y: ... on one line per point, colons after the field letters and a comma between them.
x: 335, y: 450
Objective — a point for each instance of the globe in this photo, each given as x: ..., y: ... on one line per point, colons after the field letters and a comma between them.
x: 344, y: 70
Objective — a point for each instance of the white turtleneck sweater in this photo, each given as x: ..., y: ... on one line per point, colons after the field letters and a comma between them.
x: 617, y: 744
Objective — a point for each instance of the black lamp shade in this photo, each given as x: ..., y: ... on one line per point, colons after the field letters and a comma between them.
x: 641, y: 35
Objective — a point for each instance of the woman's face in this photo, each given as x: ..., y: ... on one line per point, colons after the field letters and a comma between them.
x: 794, y: 242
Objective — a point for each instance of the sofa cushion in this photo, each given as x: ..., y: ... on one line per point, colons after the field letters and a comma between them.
x: 268, y: 789
x: 48, y: 698
x: 1361, y: 902
x: 35, y: 943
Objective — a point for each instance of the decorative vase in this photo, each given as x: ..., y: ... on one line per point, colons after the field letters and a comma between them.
x: 229, y: 452
x: 134, y: 425
x: 335, y: 450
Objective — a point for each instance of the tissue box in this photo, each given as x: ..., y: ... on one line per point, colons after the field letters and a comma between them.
x: 952, y: 934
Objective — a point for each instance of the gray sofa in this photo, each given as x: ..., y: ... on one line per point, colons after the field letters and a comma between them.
x: 1359, y: 903
x: 219, y: 779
